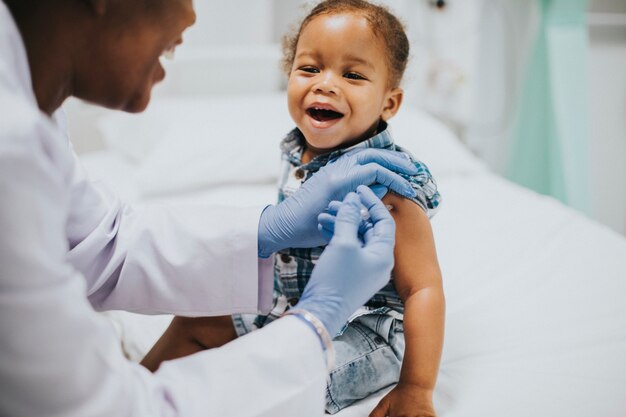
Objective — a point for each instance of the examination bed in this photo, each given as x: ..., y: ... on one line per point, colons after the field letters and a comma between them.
x: 535, y: 291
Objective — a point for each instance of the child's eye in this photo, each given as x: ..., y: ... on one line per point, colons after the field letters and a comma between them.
x: 311, y: 70
x: 354, y: 76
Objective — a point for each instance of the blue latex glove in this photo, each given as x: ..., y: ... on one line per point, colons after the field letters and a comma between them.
x: 354, y: 266
x: 327, y: 219
x: 293, y: 223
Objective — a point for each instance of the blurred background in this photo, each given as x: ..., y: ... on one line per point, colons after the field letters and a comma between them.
x: 535, y: 88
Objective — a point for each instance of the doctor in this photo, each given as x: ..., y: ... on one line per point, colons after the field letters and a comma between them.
x: 68, y: 247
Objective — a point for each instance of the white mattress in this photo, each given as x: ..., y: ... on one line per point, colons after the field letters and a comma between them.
x: 536, y: 321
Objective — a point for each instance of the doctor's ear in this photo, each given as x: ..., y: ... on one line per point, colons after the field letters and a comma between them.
x: 393, y: 101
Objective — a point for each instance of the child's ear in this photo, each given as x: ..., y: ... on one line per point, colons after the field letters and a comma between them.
x: 393, y: 100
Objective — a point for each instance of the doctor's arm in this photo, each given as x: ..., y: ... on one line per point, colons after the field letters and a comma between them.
x: 148, y: 260
x: 349, y: 271
x: 60, y: 358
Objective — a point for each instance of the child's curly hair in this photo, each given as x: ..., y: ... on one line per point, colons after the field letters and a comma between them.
x: 384, y: 25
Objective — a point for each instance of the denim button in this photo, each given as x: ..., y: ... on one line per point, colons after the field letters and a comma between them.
x: 379, y: 340
x: 285, y: 258
x: 293, y: 301
x: 299, y: 174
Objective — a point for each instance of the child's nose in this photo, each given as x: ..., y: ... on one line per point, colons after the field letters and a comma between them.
x: 326, y: 84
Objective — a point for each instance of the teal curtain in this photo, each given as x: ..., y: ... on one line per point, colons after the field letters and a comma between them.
x: 549, y: 144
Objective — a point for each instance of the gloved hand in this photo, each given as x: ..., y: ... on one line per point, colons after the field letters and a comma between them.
x: 293, y: 222
x: 353, y: 266
x: 326, y: 220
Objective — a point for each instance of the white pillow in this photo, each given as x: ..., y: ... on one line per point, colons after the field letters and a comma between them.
x: 213, y: 142
x: 433, y: 143
x: 184, y: 144
x: 133, y: 136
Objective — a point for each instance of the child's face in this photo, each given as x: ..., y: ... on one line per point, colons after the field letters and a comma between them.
x: 339, y: 83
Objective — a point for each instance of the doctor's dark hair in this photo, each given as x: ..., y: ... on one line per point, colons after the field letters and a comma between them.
x: 383, y: 24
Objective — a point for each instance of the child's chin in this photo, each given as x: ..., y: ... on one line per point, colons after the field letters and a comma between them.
x: 324, y: 146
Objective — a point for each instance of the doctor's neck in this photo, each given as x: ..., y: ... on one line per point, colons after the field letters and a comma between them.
x: 48, y: 39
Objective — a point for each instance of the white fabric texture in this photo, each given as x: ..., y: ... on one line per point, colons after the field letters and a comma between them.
x: 182, y: 144
x: 536, y: 321
x: 209, y: 151
x: 65, y: 239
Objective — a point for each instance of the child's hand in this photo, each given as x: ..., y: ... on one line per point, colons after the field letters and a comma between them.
x: 406, y: 400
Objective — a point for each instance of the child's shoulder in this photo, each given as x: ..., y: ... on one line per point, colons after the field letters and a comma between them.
x: 427, y: 194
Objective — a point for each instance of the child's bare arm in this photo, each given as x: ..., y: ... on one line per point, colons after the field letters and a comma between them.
x: 187, y: 335
x: 417, y: 278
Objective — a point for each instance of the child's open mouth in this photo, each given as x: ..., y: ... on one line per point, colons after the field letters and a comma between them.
x: 323, y: 115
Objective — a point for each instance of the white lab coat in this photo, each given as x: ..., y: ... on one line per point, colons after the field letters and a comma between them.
x: 68, y: 248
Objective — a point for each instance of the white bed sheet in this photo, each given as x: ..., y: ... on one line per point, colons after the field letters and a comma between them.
x: 536, y: 318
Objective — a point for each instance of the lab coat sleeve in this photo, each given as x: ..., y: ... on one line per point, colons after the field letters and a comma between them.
x: 187, y: 259
x: 276, y: 371
x: 58, y: 357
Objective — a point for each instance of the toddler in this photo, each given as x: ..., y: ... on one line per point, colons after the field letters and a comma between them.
x: 345, y: 64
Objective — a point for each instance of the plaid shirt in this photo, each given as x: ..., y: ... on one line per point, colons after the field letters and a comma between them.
x: 293, y: 267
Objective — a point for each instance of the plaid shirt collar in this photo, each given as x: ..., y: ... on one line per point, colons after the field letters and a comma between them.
x: 293, y: 145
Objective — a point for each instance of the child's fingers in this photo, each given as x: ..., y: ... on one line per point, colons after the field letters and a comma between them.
x: 382, y: 409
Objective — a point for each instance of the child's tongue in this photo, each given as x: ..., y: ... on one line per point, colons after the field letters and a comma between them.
x: 322, y: 115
